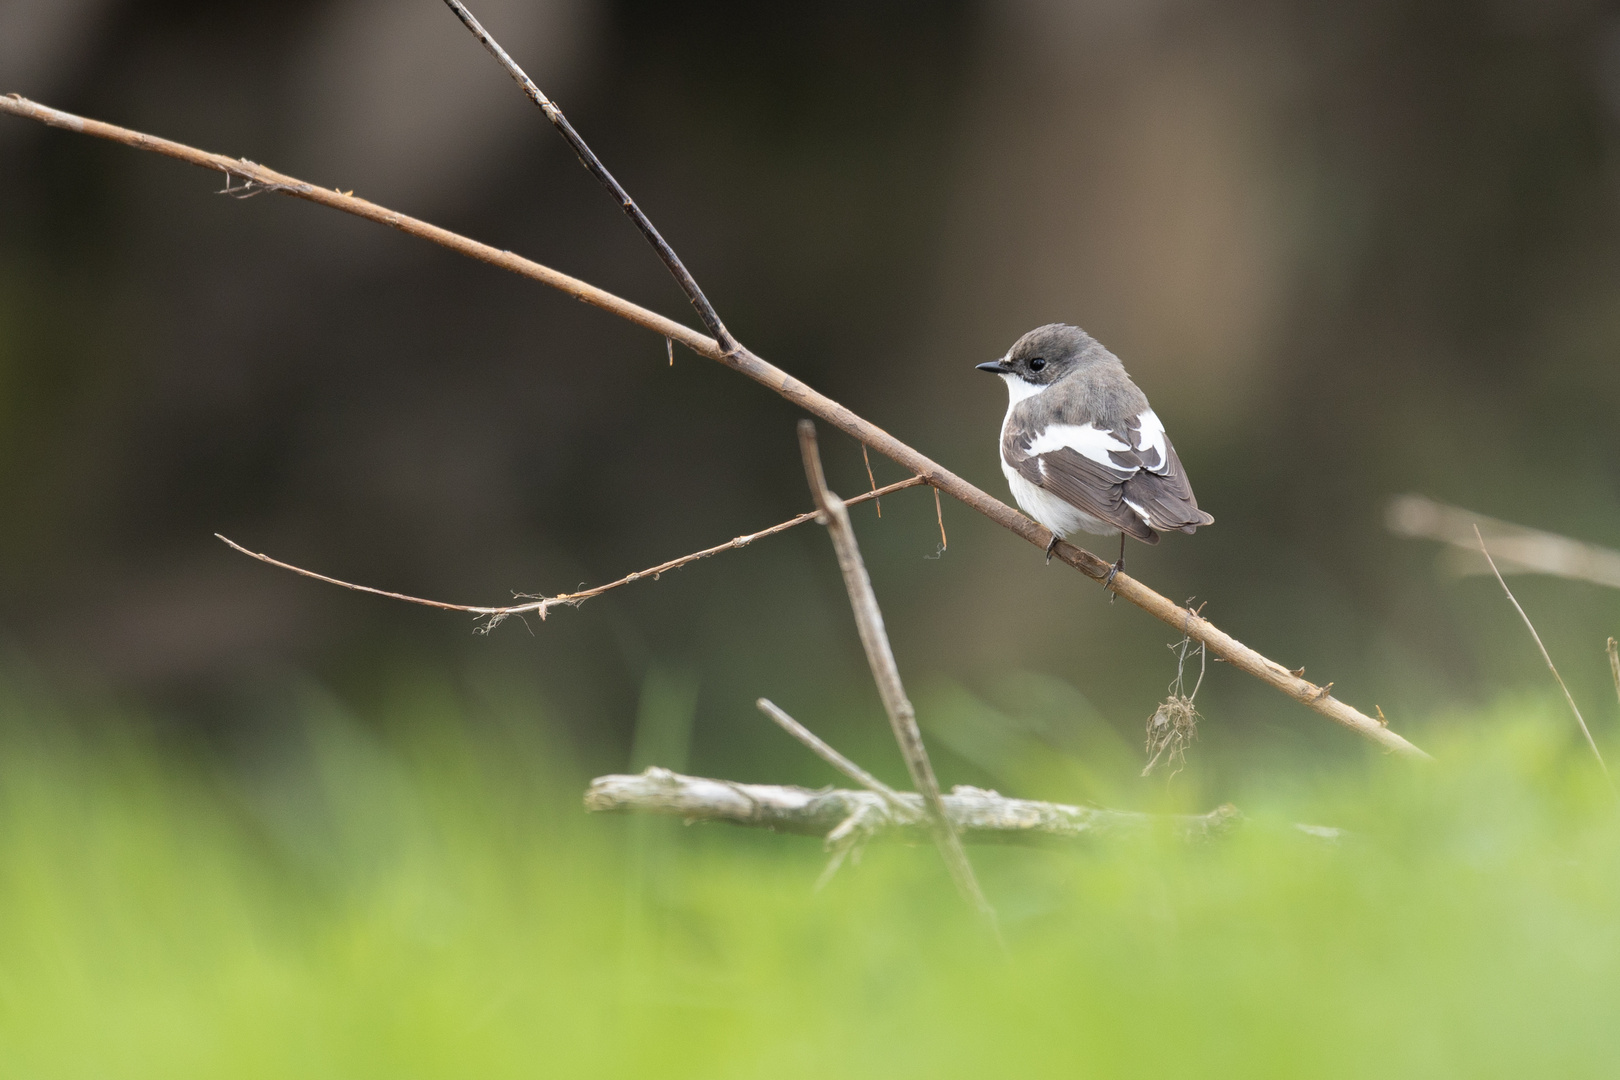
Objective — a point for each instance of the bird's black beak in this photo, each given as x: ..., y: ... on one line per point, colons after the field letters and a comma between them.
x: 994, y: 367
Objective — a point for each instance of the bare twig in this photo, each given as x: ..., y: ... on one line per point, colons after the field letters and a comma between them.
x: 871, y: 479
x: 543, y: 605
x: 1223, y: 645
x: 1614, y: 665
x: 1518, y: 549
x: 591, y: 162
x: 1550, y: 665
x: 885, y: 672
x: 939, y: 515
x: 830, y: 756
x: 979, y: 815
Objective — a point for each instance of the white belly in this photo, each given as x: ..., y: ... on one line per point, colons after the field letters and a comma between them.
x: 1051, y: 511
x: 1038, y: 503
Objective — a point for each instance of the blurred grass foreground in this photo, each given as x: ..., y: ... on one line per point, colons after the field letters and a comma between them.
x: 432, y: 901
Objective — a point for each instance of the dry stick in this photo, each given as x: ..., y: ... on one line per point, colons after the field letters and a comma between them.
x: 859, y: 826
x: 544, y: 604
x: 870, y: 479
x: 591, y: 162
x: 1519, y: 549
x: 1614, y: 665
x: 981, y: 816
x: 1550, y: 666
x: 746, y: 363
x: 886, y: 673
x: 832, y: 757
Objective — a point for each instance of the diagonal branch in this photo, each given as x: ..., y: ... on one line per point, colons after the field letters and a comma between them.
x: 591, y: 162
x: 1579, y: 719
x: 1182, y: 619
x: 886, y: 673
x: 542, y: 606
x: 832, y: 757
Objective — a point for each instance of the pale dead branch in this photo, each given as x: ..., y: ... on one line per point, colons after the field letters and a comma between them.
x: 1517, y: 549
x: 256, y: 177
x: 978, y: 815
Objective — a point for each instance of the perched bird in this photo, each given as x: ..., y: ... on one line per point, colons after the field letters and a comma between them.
x: 1081, y: 447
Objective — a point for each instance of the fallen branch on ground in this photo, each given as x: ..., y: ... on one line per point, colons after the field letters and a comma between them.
x: 836, y: 813
x: 739, y: 359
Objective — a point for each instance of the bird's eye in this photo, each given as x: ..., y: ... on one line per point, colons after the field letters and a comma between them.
x: 1036, y: 363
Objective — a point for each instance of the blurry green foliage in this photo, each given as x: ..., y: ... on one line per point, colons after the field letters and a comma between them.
x: 428, y: 900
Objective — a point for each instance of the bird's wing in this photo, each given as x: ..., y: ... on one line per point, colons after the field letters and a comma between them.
x: 1159, y: 490
x: 1128, y: 475
x: 1072, y: 462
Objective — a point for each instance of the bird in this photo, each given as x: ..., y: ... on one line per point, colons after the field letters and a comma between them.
x: 1082, y: 449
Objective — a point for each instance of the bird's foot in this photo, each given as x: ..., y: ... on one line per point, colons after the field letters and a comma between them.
x: 1109, y: 580
x: 1050, y: 546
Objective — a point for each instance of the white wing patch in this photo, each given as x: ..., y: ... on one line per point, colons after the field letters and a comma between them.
x: 1153, y: 439
x: 1087, y: 440
x: 1095, y: 444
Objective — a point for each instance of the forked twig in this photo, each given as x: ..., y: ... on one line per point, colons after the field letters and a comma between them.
x: 589, y: 159
x: 886, y: 673
x: 832, y: 757
x: 543, y: 605
x: 1550, y: 665
x: 746, y: 363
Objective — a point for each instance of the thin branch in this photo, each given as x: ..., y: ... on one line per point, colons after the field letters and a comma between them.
x: 886, y: 673
x: 1519, y: 549
x: 543, y: 605
x: 830, y: 756
x: 978, y: 815
x: 870, y: 479
x: 1614, y: 665
x: 591, y: 162
x: 1222, y: 644
x: 1550, y: 665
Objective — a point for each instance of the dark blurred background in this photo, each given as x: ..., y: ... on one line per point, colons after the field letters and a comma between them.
x: 1349, y: 250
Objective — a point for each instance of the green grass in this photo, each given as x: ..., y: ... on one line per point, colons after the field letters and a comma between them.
x: 435, y: 904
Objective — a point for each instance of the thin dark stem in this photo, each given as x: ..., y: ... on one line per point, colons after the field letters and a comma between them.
x: 683, y: 277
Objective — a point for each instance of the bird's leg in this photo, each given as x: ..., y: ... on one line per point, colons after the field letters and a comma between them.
x: 1050, y: 546
x: 1119, y: 564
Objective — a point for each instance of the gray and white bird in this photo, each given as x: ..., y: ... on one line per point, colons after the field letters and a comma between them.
x: 1081, y: 447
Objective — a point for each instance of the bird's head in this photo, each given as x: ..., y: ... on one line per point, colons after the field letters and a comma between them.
x: 1044, y: 355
